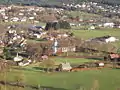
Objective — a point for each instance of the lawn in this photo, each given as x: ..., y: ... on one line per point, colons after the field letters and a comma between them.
x: 82, y: 15
x: 86, y: 34
x: 71, y: 60
x: 105, y: 79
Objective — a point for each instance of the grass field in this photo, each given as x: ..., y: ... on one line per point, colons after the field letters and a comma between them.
x: 86, y: 34
x: 71, y: 60
x: 105, y: 79
x: 82, y: 15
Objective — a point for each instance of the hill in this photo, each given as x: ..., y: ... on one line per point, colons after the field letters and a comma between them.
x: 56, y: 2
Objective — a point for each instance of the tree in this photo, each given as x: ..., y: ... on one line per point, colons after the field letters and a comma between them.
x: 77, y: 18
x: 118, y: 50
x: 20, y: 80
x: 48, y: 64
x: 95, y: 85
x: 7, y: 54
x: 64, y: 25
x: 34, y: 51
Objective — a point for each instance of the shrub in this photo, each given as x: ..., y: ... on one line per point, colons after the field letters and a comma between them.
x: 64, y: 25
x: 48, y: 64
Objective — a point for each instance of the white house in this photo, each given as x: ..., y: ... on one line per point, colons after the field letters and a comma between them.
x: 65, y: 67
x: 109, y: 24
x: 111, y: 39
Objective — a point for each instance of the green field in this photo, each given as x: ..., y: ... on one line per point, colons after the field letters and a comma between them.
x: 105, y: 79
x: 82, y: 15
x: 86, y: 34
x: 71, y: 60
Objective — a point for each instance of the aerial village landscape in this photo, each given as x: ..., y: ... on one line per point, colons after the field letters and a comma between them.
x: 59, y: 45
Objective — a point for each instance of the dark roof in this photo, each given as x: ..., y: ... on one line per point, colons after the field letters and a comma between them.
x: 38, y: 27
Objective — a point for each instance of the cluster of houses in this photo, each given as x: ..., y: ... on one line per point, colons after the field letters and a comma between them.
x: 35, y: 14
x: 14, y: 42
x: 59, y: 42
x: 109, y: 15
x: 97, y: 8
x: 14, y: 13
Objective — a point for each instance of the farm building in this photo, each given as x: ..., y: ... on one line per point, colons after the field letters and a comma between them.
x: 65, y: 67
x: 105, y: 39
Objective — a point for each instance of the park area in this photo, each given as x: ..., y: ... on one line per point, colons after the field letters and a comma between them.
x: 33, y: 78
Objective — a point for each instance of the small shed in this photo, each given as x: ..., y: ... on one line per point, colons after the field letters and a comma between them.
x: 65, y: 67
